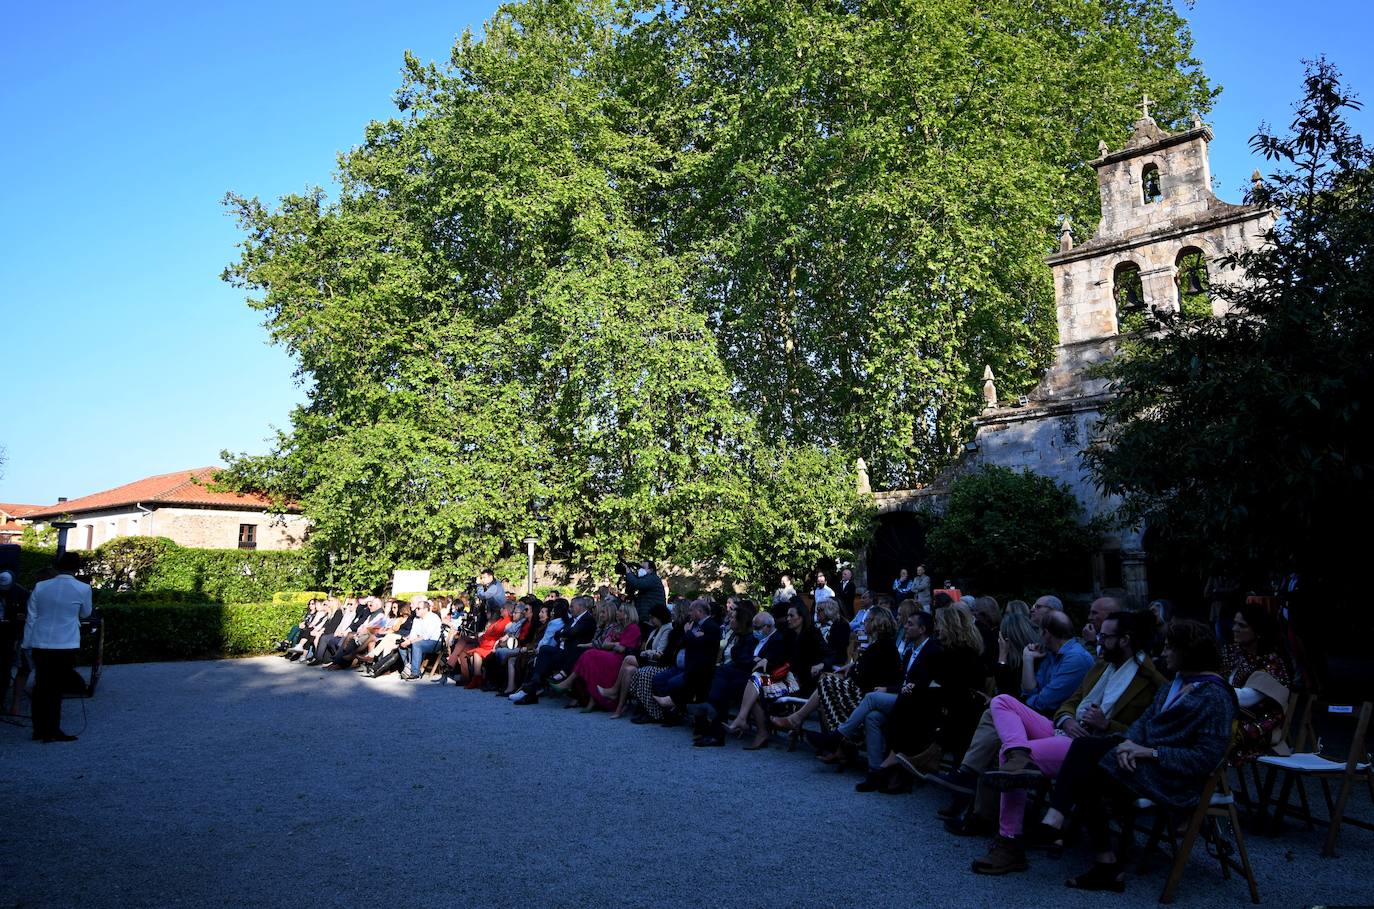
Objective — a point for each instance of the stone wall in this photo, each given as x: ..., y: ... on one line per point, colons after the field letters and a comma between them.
x: 204, y: 528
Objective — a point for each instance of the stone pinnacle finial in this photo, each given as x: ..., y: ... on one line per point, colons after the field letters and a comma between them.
x: 1102, y: 148
x: 861, y: 468
x: 1197, y: 120
x: 1256, y: 179
x: 1065, y: 235
x: 989, y: 389
x: 1145, y: 103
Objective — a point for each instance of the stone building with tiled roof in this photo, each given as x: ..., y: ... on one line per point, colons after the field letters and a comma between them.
x: 181, y: 507
x: 13, y: 519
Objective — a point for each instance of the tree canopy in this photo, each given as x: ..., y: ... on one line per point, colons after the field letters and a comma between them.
x: 1247, y: 438
x: 646, y: 279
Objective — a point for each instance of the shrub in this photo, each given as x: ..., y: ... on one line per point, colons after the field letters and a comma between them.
x: 32, y: 560
x: 150, y: 632
x: 298, y: 598
x: 144, y: 566
x: 1013, y: 533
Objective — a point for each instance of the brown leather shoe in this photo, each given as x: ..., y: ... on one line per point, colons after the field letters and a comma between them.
x: 1004, y: 857
x: 1018, y: 771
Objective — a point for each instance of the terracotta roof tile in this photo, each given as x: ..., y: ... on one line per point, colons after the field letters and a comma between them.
x: 177, y: 488
x: 18, y: 511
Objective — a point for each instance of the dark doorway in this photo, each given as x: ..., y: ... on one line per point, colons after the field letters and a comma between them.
x: 899, y: 541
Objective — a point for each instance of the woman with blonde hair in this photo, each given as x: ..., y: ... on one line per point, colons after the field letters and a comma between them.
x: 655, y: 644
x: 386, y: 644
x: 608, y: 631
x: 926, y: 722
x: 1015, y: 633
x: 957, y: 628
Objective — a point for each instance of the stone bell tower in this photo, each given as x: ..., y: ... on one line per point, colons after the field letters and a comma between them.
x: 1157, y: 247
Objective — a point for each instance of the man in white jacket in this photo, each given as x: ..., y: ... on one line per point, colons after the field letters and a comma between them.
x: 53, y: 633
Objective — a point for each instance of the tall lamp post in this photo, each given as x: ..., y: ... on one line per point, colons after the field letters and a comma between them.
x: 530, y: 543
x: 62, y: 527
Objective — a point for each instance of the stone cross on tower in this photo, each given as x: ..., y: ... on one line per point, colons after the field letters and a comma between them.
x: 1145, y: 103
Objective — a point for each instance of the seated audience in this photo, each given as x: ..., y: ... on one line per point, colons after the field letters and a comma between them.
x: 689, y: 680
x: 387, y: 645
x: 835, y: 634
x: 668, y: 659
x: 930, y: 719
x: 476, y: 651
x: 988, y: 615
x: 553, y: 617
x: 762, y: 653
x: 422, y: 640
x: 616, y: 696
x: 865, y: 724
x: 1050, y: 671
x: 1115, y: 692
x: 839, y: 692
x: 1165, y: 756
x: 600, y: 666
x: 558, y: 658
x: 1013, y: 637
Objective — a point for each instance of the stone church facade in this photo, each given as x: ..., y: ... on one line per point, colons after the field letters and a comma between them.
x: 1158, y: 246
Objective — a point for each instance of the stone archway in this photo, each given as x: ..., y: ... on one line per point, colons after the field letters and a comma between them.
x: 899, y: 541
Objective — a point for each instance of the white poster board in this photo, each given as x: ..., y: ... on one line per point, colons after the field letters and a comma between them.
x: 409, y: 581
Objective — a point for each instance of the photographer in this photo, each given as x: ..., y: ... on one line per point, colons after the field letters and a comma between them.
x: 644, y: 585
x: 491, y: 596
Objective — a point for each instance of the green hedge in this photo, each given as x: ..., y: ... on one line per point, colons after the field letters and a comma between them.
x: 152, y: 567
x: 33, y: 559
x: 297, y: 598
x: 145, y: 632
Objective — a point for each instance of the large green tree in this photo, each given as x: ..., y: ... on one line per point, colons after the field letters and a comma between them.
x: 1247, y: 438
x: 869, y: 191
x: 644, y: 278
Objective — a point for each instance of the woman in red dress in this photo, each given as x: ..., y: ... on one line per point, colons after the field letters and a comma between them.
x: 600, y: 665
x: 470, y: 666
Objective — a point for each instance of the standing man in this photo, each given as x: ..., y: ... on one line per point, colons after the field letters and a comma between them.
x: 14, y: 604
x: 491, y: 594
x: 847, y: 592
x: 822, y: 591
x: 53, y: 632
x: 646, y: 587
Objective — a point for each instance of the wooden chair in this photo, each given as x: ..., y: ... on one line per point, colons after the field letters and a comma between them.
x: 1217, y: 803
x: 1297, y: 768
x: 435, y: 660
x: 1291, y: 736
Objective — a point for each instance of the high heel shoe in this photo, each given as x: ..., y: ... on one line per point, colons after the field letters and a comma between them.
x: 758, y: 743
x: 785, y: 723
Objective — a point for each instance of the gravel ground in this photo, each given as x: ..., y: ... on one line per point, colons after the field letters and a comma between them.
x: 260, y: 782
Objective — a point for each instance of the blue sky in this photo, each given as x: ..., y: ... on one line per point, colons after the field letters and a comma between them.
x: 126, y: 355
